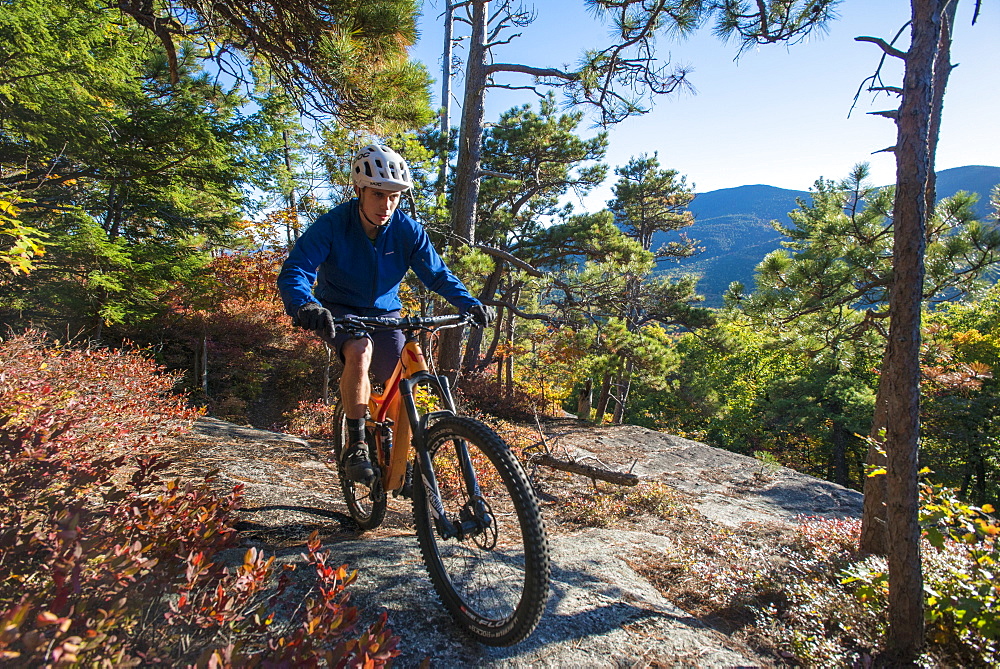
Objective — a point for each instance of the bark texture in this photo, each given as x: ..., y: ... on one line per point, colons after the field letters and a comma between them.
x: 470, y: 150
x: 902, y: 371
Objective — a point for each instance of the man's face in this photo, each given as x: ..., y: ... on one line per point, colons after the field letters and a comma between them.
x: 378, y: 205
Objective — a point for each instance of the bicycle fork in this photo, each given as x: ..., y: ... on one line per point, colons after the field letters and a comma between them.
x: 475, y: 516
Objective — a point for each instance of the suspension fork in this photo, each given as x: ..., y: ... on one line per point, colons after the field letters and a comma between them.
x: 446, y: 527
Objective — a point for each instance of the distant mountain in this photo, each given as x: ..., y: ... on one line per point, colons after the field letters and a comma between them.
x: 974, y: 178
x: 733, y: 226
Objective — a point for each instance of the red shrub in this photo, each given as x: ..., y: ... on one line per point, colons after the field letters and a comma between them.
x: 106, y: 564
x: 231, y: 332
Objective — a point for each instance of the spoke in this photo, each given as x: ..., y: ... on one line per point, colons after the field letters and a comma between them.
x: 490, y: 579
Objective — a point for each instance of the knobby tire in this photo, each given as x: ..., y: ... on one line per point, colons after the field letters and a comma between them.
x: 494, y: 584
x: 366, y: 505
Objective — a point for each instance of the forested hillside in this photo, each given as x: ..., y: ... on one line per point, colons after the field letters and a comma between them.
x: 734, y: 232
x: 159, y: 160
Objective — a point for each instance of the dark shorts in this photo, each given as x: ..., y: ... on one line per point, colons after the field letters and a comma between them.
x: 387, y: 345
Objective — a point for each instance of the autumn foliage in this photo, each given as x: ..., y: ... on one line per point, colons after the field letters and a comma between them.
x: 108, y: 565
x: 240, y: 353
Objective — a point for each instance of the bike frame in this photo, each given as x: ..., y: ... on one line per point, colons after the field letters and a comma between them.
x: 394, y: 416
x: 396, y: 409
x: 398, y: 426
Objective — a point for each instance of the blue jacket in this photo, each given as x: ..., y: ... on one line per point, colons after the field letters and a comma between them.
x: 352, y: 271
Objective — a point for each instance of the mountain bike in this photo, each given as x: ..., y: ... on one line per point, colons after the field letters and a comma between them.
x: 478, y: 521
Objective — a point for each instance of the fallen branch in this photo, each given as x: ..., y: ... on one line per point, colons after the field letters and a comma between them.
x: 619, y: 478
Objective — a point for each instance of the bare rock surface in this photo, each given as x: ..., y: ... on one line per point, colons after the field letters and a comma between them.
x: 728, y: 488
x: 601, y: 612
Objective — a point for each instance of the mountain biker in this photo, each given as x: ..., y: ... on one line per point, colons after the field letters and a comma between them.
x: 357, y: 255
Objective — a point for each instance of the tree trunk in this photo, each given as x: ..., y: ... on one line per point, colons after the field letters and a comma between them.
x: 583, y: 403
x: 196, y: 368
x: 508, y: 376
x: 619, y: 478
x: 450, y: 354
x: 474, y: 345
x: 942, y: 70
x: 446, y: 57
x: 472, y: 357
x: 491, y: 352
x: 603, y: 397
x: 838, y: 457
x: 902, y: 371
x: 509, y: 358
x: 624, y: 387
x: 204, y: 366
x: 874, y: 536
x: 291, y: 200
x: 501, y: 364
x: 470, y: 144
x: 470, y: 139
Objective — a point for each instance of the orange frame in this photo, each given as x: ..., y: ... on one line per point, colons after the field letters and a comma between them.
x: 389, y: 405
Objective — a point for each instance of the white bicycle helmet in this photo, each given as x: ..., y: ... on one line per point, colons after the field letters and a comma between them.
x: 378, y: 166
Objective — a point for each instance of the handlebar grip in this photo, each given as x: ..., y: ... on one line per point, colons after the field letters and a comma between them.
x: 450, y: 319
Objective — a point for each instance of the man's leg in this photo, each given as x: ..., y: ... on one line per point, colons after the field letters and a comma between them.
x: 355, y: 388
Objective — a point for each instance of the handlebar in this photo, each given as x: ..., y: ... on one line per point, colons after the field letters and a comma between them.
x: 408, y: 323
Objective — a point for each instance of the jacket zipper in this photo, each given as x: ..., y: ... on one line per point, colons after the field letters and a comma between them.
x: 374, y: 247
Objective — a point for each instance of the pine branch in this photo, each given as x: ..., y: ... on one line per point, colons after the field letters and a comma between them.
x: 507, y: 257
x: 516, y: 311
x: 539, y: 72
x: 885, y: 46
x: 533, y: 89
x: 499, y: 175
x: 890, y: 113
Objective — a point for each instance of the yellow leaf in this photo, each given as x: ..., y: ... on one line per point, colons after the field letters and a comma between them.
x: 988, y: 508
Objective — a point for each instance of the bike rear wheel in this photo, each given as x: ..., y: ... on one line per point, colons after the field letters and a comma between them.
x: 494, y: 581
x: 366, y: 504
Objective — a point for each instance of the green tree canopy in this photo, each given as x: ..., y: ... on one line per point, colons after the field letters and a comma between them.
x: 824, y: 297
x: 344, y: 59
x: 649, y: 200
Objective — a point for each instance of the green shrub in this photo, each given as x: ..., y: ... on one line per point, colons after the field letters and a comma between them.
x: 960, y: 559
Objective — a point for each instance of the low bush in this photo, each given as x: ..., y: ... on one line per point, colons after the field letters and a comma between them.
x: 810, y: 599
x: 311, y: 420
x: 484, y: 393
x: 108, y: 565
x: 607, y: 509
x: 961, y: 556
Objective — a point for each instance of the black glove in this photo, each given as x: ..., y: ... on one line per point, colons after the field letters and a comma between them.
x: 314, y: 316
x: 482, y: 315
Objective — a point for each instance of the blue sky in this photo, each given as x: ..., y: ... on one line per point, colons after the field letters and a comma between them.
x: 778, y: 115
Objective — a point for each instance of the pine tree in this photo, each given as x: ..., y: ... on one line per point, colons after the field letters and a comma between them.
x: 614, y: 82
x: 650, y: 201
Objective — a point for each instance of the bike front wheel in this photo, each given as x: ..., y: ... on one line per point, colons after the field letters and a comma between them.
x: 366, y: 504
x: 493, y: 578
